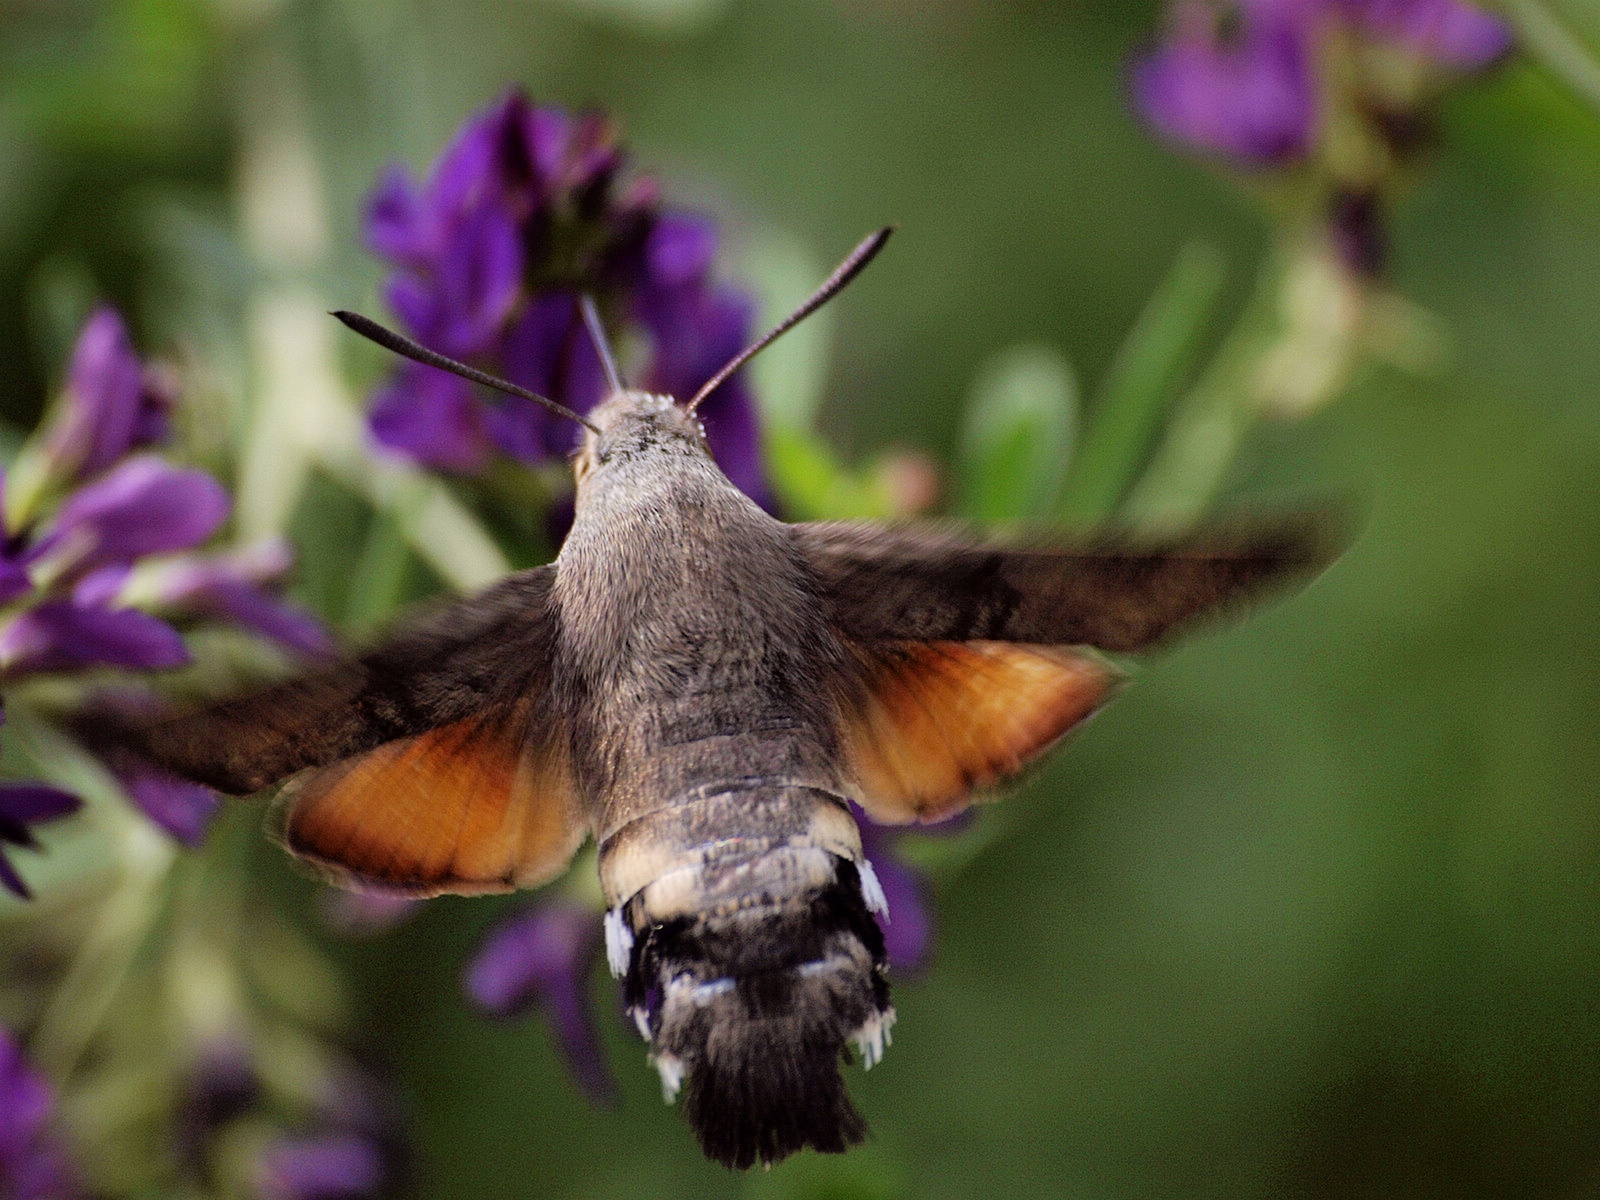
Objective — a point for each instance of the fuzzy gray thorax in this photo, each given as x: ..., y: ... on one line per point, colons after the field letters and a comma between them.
x: 690, y: 630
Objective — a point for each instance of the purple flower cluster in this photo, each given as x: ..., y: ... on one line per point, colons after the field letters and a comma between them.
x: 76, y: 589
x: 1242, y: 78
x: 351, y: 1148
x: 520, y: 216
x: 327, y: 1166
x: 348, y: 1149
x: 113, y: 402
x: 33, y: 1164
x: 23, y: 805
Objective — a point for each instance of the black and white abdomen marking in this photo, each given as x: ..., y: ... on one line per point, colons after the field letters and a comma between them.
x: 742, y: 928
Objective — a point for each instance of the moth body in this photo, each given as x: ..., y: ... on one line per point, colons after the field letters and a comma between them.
x: 701, y: 677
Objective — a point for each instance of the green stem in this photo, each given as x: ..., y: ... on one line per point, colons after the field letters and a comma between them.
x: 1557, y: 46
x: 1203, y: 439
x: 380, y: 572
x: 105, y: 958
x: 1138, y: 389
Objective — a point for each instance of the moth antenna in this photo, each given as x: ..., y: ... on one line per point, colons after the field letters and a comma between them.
x: 831, y: 287
x: 404, y: 346
x: 602, y: 346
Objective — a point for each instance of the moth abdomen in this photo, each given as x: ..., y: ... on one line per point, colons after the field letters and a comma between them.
x: 751, y: 966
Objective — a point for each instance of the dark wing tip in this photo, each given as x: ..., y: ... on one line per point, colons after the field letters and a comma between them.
x: 1139, y: 593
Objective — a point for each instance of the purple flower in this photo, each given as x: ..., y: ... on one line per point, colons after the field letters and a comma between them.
x: 222, y: 1086
x: 541, y: 957
x: 908, y: 929
x: 33, y: 1164
x: 1239, y: 78
x: 1238, y: 81
x: 23, y: 805
x: 349, y: 1147
x: 60, y: 635
x: 231, y: 586
x: 68, y: 581
x: 358, y: 912
x: 1356, y: 229
x: 322, y: 1166
x: 518, y: 217
x: 113, y: 403
x: 434, y: 418
x: 695, y: 326
x: 183, y: 809
x: 1445, y: 31
x: 142, y: 506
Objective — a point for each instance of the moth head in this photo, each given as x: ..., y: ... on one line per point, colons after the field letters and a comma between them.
x: 632, y: 423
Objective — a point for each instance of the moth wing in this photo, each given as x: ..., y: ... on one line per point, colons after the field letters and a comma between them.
x: 490, y: 649
x: 483, y: 804
x: 928, y: 584
x: 970, y: 658
x: 930, y: 723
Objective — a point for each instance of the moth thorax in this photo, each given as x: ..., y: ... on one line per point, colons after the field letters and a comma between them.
x: 752, y: 968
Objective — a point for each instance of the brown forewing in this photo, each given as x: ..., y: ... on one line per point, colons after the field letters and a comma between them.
x: 491, y: 649
x: 887, y: 583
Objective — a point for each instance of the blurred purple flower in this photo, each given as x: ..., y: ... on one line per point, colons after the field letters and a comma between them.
x: 221, y: 1086
x: 908, y: 930
x: 1445, y: 31
x: 1240, y: 78
x: 320, y: 1166
x: 113, y: 403
x: 542, y: 957
x: 434, y: 418
x: 14, y: 580
x: 140, y: 507
x: 908, y: 927
x: 350, y: 1147
x: 1237, y: 81
x: 21, y: 806
x: 60, y: 635
x: 33, y: 1164
x: 65, y: 577
x: 1356, y: 229
x: 361, y: 912
x: 183, y: 809
x: 519, y: 215
x: 232, y: 586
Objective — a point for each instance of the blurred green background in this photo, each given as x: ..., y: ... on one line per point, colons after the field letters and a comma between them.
x: 1312, y: 910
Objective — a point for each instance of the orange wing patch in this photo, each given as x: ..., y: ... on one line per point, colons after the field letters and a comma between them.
x: 481, y: 805
x: 938, y: 720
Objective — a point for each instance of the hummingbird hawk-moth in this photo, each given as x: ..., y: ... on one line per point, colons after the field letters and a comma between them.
x: 704, y: 690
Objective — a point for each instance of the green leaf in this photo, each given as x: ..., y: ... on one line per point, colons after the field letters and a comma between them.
x: 379, y: 576
x: 1017, y: 436
x: 790, y: 375
x: 1564, y: 35
x: 811, y: 482
x: 1143, y: 382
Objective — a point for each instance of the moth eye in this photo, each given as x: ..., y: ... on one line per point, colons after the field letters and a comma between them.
x: 583, y: 463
